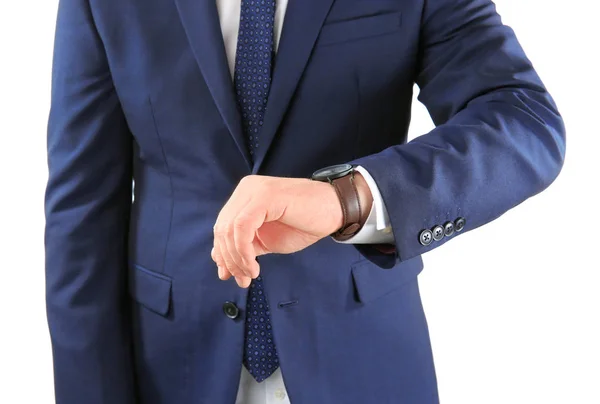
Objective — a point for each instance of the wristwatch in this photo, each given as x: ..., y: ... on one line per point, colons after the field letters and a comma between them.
x: 341, y: 177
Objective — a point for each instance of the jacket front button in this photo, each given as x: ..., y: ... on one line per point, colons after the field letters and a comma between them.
x: 231, y: 310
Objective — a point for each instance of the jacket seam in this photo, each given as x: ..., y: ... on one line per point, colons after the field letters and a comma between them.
x: 167, y: 168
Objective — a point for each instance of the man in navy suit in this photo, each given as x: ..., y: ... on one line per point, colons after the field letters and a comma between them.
x: 271, y: 251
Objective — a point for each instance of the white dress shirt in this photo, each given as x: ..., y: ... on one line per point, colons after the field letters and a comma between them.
x: 376, y: 229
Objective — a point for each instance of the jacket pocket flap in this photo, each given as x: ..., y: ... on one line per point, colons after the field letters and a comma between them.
x: 151, y: 289
x: 372, y: 281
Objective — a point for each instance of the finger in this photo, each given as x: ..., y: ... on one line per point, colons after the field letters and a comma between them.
x: 216, y: 255
x: 220, y: 240
x: 230, y: 264
x: 243, y: 282
x: 225, y: 274
x: 244, y: 231
x: 233, y: 253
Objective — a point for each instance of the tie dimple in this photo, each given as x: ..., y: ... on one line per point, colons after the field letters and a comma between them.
x: 252, y: 81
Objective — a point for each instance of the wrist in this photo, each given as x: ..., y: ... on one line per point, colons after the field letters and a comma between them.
x: 331, y: 200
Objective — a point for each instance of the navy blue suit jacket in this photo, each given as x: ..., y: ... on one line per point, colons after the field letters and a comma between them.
x: 141, y: 89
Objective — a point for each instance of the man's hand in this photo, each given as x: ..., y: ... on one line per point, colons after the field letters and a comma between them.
x: 274, y: 215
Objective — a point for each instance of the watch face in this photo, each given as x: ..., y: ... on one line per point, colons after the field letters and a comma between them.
x: 332, y: 172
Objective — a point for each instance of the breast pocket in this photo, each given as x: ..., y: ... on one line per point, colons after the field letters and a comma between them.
x: 360, y: 28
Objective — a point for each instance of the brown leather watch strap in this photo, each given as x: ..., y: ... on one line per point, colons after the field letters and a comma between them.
x: 354, y: 217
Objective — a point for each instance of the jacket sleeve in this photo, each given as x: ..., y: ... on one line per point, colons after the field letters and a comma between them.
x: 499, y: 138
x: 87, y: 205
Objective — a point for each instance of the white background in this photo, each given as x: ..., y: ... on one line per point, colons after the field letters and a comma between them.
x: 513, y: 307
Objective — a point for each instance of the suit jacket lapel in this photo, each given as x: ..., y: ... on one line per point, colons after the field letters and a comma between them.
x: 200, y: 19
x: 301, y: 26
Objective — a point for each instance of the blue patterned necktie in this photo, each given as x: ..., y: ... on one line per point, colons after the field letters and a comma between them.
x: 252, y: 80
